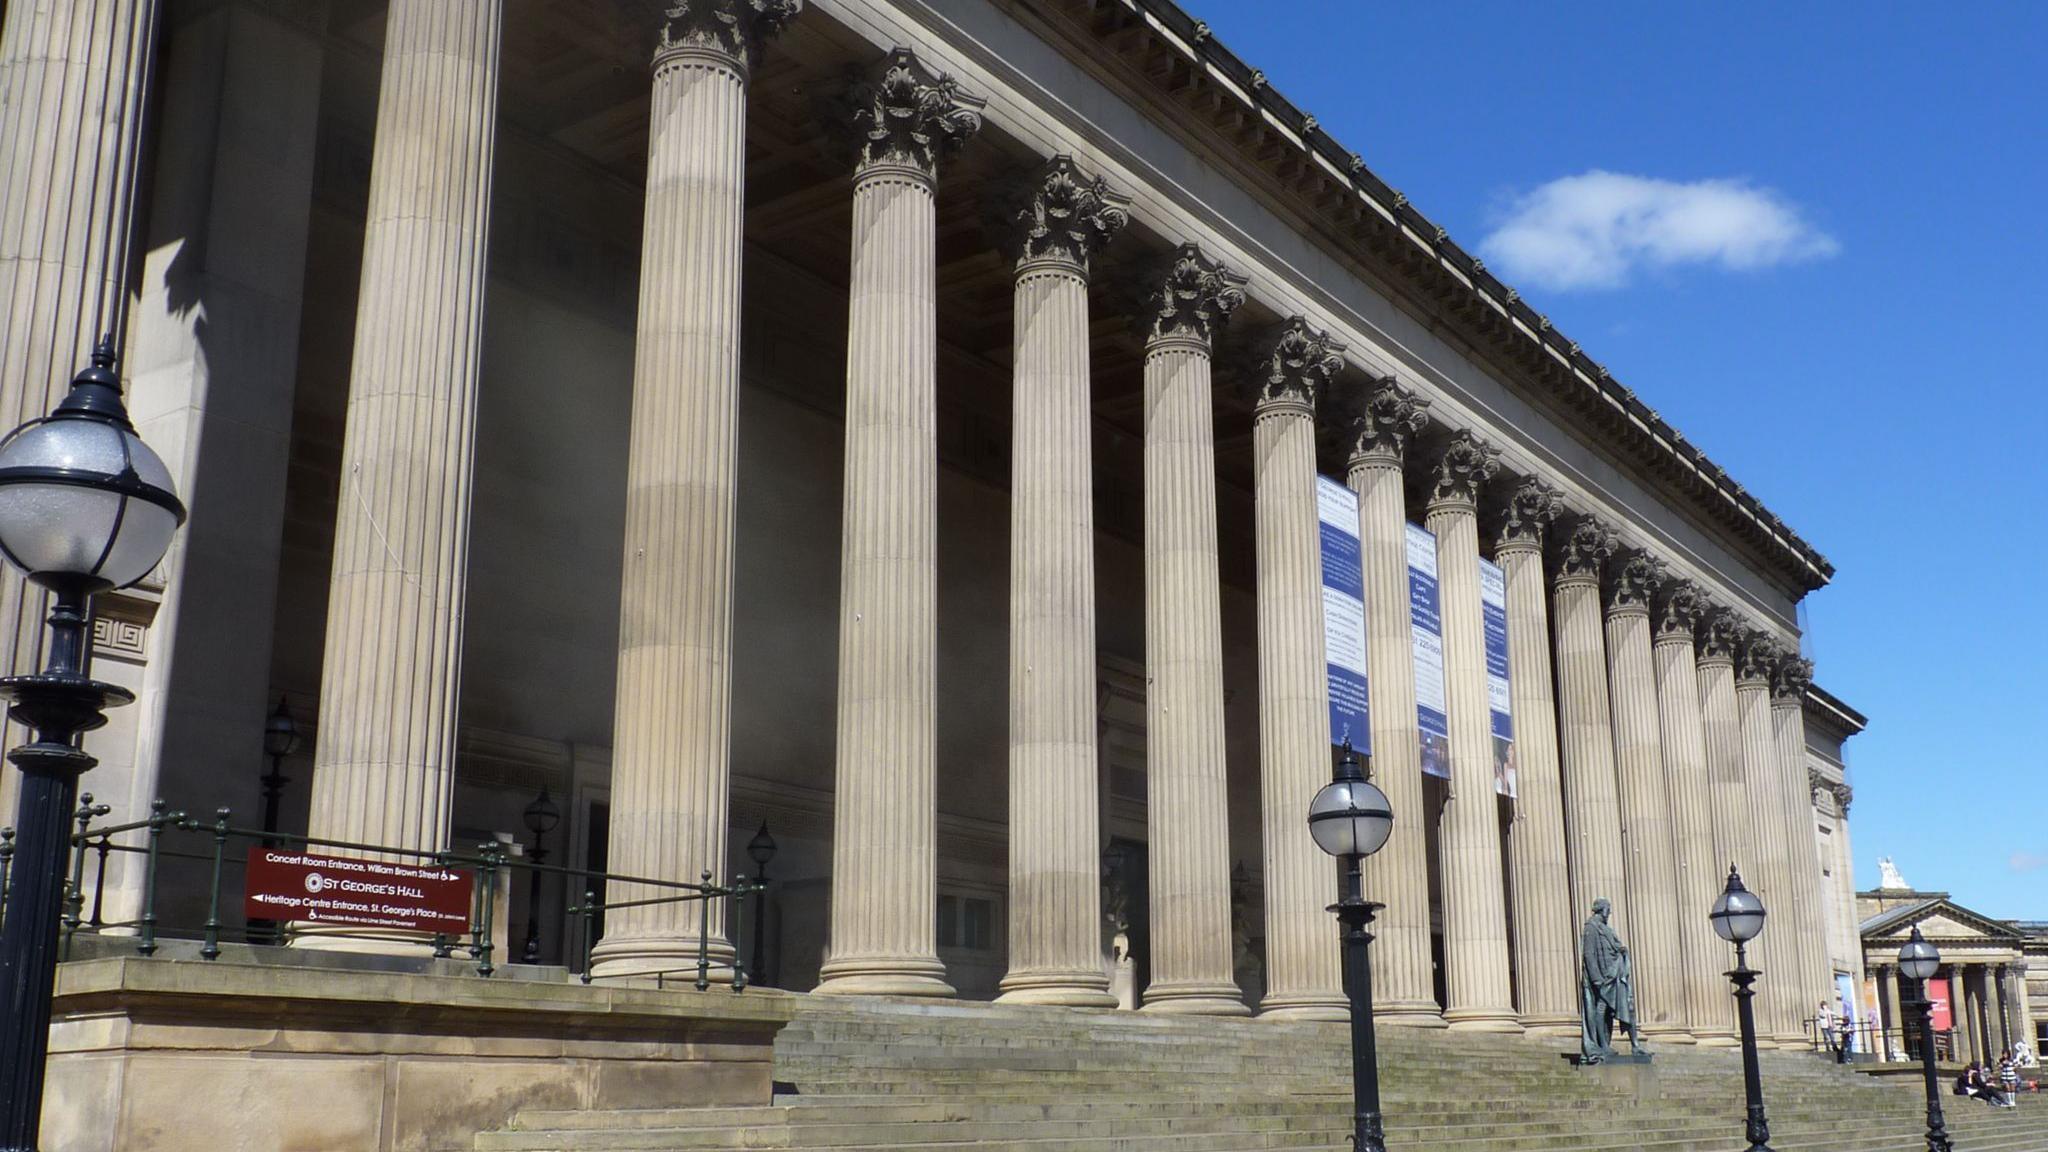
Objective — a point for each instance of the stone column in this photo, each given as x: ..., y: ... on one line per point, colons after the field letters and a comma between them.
x: 1888, y: 1017
x: 1802, y: 847
x: 671, y: 759
x: 1304, y: 977
x: 1592, y: 808
x: 384, y: 765
x: 74, y: 79
x: 1055, y: 861
x: 1648, y: 868
x: 1479, y: 994
x: 1702, y: 994
x: 1714, y: 641
x: 1187, y: 787
x: 1779, y: 992
x: 1381, y: 423
x: 1546, y: 976
x: 2004, y: 1008
x: 884, y: 815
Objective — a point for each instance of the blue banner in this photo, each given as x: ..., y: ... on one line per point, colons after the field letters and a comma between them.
x: 1425, y: 614
x: 1493, y: 611
x: 1343, y: 614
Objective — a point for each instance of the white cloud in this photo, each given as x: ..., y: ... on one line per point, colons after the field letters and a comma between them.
x: 2027, y: 862
x: 1592, y: 230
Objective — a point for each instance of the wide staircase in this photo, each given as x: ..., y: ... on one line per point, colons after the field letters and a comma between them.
x: 883, y: 1074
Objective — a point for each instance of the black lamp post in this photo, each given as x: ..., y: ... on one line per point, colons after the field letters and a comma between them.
x: 280, y: 739
x: 1351, y: 819
x: 1918, y: 962
x: 85, y: 507
x: 1738, y: 917
x: 542, y: 816
x: 761, y: 849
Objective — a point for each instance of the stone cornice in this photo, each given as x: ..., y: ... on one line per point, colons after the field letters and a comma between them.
x: 1300, y: 361
x: 1157, y: 50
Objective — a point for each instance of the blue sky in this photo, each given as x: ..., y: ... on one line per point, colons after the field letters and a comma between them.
x: 1813, y: 237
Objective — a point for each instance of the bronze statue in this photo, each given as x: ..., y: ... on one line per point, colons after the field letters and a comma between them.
x: 1606, y: 994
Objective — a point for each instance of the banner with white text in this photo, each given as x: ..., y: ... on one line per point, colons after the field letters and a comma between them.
x: 1493, y: 611
x: 1425, y: 613
x: 1343, y: 614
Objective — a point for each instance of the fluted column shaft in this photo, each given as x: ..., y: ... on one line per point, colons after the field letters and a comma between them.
x: 1779, y: 993
x: 1648, y: 869
x: 1304, y: 978
x: 1721, y: 726
x: 1545, y: 976
x: 1702, y: 994
x: 384, y: 765
x: 1397, y: 875
x: 1815, y: 974
x: 1592, y: 810
x: 1055, y: 887
x: 1479, y: 994
x: 671, y: 727
x: 74, y: 76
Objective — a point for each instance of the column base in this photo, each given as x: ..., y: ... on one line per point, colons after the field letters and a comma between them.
x: 1195, y: 999
x: 1718, y: 1040
x: 633, y: 957
x: 1666, y: 1034
x: 1058, y: 987
x: 320, y: 938
x: 1482, y: 1020
x: 1409, y: 1014
x: 1551, y: 1025
x: 884, y: 976
x: 1306, y: 1006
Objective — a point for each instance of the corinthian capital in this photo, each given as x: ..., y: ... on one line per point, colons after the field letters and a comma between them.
x: 1300, y: 362
x: 735, y: 28
x: 1756, y: 657
x: 1794, y: 676
x: 908, y: 116
x: 1677, y: 609
x: 1527, y: 511
x: 1461, y: 468
x: 1382, y: 423
x: 1717, y: 635
x: 1066, y: 216
x: 1583, y: 550
x: 1192, y: 296
x: 1632, y: 581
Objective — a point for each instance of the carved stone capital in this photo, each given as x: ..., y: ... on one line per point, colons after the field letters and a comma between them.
x: 1632, y: 581
x: 1793, y: 677
x: 1677, y: 609
x: 1756, y: 657
x: 1192, y: 296
x: 1461, y: 469
x: 1063, y: 215
x: 1300, y: 362
x: 735, y: 29
x: 1381, y: 424
x: 1582, y: 550
x: 1528, y: 509
x: 1717, y: 635
x: 908, y: 117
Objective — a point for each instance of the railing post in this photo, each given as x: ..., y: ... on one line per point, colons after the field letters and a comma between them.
x: 704, y: 933
x: 74, y: 898
x: 738, y: 896
x: 146, y: 929
x: 210, y: 950
x: 589, y: 912
x: 6, y: 868
x: 99, y: 882
x: 487, y: 895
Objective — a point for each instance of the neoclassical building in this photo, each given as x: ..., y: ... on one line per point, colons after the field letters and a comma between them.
x: 899, y: 424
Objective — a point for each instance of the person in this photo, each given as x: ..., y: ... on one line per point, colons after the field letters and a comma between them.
x: 1829, y: 1026
x: 1978, y: 1085
x: 2009, y: 1077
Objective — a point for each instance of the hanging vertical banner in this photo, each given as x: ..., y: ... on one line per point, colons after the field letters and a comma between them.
x: 1425, y: 612
x: 1343, y: 614
x: 1493, y: 611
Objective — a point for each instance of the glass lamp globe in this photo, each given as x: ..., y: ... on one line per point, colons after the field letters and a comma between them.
x: 761, y: 849
x: 543, y: 814
x: 1738, y: 915
x: 1919, y: 960
x: 280, y: 732
x: 1350, y: 816
x: 85, y: 505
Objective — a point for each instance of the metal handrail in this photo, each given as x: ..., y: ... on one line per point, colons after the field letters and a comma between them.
x: 99, y: 843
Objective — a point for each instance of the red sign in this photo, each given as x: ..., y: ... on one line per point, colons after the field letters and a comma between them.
x: 1937, y: 991
x: 287, y: 885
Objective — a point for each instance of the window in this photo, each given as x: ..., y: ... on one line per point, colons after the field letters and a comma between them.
x: 967, y: 922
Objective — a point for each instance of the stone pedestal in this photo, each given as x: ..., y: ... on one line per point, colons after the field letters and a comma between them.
x: 671, y: 760
x: 884, y: 833
x: 1477, y: 982
x: 385, y: 759
x: 1187, y: 786
x: 1304, y: 977
x: 1385, y: 419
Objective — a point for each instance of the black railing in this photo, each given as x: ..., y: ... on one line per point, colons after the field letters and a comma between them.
x: 169, y: 834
